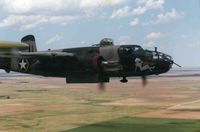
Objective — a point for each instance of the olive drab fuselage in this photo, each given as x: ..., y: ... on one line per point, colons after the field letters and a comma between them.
x: 115, y: 61
x: 91, y: 64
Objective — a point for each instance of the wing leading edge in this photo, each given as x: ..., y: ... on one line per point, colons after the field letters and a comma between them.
x: 36, y: 55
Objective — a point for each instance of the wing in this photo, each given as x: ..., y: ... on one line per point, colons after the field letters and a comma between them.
x: 46, y: 55
x: 37, y: 55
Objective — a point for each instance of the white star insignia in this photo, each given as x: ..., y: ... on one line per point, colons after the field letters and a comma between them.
x: 23, y: 64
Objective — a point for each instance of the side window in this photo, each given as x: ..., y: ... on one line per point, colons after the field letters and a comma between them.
x: 136, y: 49
x: 127, y: 50
x: 155, y: 56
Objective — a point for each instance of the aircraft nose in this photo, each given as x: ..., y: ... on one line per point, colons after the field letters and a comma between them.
x: 167, y: 61
x: 168, y: 58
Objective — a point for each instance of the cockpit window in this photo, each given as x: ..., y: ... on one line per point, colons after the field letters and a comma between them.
x: 127, y: 50
x: 106, y: 42
x: 130, y: 49
x: 135, y: 49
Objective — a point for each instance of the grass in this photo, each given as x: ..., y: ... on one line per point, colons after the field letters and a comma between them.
x: 189, y: 89
x: 128, y: 124
x: 55, y: 109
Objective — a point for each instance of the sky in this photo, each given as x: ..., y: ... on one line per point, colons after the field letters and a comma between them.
x: 171, y: 25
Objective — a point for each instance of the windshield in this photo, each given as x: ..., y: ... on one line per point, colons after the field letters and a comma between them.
x: 130, y: 49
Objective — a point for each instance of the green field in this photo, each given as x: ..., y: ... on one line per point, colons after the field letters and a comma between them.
x: 142, y: 125
x: 35, y: 105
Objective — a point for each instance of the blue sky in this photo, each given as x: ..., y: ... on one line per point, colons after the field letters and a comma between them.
x: 171, y: 25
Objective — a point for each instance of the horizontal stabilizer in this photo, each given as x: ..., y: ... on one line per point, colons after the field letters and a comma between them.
x: 6, y: 45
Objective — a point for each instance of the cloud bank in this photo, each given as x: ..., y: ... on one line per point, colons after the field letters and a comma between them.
x: 27, y: 14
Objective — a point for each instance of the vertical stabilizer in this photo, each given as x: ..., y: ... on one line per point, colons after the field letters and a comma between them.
x: 30, y: 40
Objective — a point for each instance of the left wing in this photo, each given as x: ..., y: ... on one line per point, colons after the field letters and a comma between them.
x: 36, y: 55
x: 46, y: 55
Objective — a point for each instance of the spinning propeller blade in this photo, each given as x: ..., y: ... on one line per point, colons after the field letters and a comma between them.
x: 144, y: 81
x: 102, y: 87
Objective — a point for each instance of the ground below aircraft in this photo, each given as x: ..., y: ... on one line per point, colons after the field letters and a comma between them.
x: 93, y: 64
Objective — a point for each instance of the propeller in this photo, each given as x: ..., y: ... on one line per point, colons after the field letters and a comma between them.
x: 144, y: 81
x: 100, y: 63
x: 102, y: 87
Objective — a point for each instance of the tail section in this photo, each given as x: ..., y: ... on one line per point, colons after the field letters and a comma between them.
x: 30, y: 40
x: 23, y: 64
x: 18, y: 64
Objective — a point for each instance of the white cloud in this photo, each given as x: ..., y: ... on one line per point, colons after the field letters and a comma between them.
x: 122, y: 12
x: 135, y: 22
x: 62, y: 20
x: 141, y: 1
x: 29, y: 6
x: 26, y: 22
x: 151, y: 39
x: 167, y: 17
x: 194, y: 45
x: 183, y: 36
x: 84, y: 42
x: 144, y: 6
x: 99, y: 3
x: 148, y: 5
x: 55, y: 39
x: 153, y: 36
x: 27, y: 14
x: 140, y: 10
x: 124, y: 40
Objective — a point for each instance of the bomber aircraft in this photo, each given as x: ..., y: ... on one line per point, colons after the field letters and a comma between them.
x: 93, y: 64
